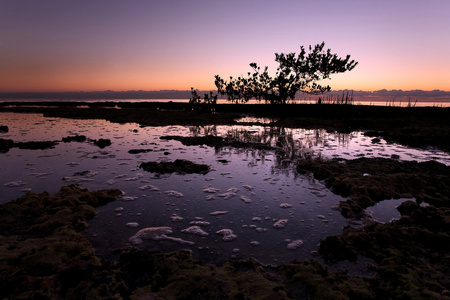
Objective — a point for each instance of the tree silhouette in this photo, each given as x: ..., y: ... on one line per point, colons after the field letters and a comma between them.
x: 295, y: 72
x: 208, y: 101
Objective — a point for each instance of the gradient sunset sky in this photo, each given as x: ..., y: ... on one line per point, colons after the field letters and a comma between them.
x: 95, y: 45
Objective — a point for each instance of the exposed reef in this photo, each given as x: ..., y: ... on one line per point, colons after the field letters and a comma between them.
x: 181, y: 166
x: 370, y: 180
x: 7, y: 144
x: 102, y: 143
x: 74, y: 138
x: 412, y: 253
x: 137, y: 151
x: 42, y: 253
x: 44, y: 256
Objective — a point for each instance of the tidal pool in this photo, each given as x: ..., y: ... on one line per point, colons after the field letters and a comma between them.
x: 252, y: 203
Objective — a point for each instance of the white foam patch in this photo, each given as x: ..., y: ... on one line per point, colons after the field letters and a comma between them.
x: 200, y: 223
x: 129, y: 198
x: 175, y: 194
x: 295, y: 244
x: 149, y: 187
x: 134, y: 178
x: 132, y: 224
x: 210, y: 190
x: 218, y: 212
x: 285, y: 205
x: 280, y: 223
x: 149, y: 233
x: 196, y: 230
x: 319, y: 193
x: 15, y: 183
x: 227, y: 234
x: 39, y: 175
x: 176, y: 218
x: 76, y: 179
x: 246, y: 199
x: 177, y: 240
x: 227, y: 195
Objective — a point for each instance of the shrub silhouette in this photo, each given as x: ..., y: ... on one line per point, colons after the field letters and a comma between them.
x: 296, y: 72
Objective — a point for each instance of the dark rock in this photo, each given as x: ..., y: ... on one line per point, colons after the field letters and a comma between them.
x: 4, y: 129
x: 47, y: 256
x: 389, y: 178
x: 137, y: 151
x: 407, y: 207
x: 5, y: 145
x: 178, y: 166
x: 75, y: 138
x: 376, y: 141
x: 102, y: 143
x: 40, y: 145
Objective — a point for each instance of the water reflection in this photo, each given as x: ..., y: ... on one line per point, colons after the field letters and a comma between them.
x: 289, y: 145
x: 292, y: 144
x: 257, y: 187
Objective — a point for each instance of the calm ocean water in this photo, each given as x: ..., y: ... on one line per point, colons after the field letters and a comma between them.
x: 272, y: 213
x: 376, y: 101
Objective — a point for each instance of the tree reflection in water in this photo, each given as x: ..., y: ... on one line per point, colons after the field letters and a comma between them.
x: 289, y: 144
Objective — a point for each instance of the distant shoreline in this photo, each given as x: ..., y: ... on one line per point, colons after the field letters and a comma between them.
x: 372, y: 101
x: 363, y: 97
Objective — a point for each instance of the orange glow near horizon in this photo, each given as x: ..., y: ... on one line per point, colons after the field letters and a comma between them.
x: 94, y: 79
x: 61, y: 46
x: 36, y: 80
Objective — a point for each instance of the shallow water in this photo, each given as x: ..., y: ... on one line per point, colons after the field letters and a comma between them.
x: 247, y: 191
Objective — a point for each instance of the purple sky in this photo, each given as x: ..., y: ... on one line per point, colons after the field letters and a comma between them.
x: 55, y: 45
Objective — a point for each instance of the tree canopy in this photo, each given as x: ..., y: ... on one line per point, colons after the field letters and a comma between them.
x: 295, y: 72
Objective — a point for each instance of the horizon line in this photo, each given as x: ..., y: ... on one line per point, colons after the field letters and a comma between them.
x: 204, y: 90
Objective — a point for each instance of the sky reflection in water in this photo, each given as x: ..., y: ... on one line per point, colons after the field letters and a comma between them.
x: 265, y: 185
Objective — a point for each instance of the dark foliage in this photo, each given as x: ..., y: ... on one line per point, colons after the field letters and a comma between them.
x: 296, y: 72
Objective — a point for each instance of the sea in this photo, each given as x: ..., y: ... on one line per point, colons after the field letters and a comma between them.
x: 371, y: 101
x: 251, y: 204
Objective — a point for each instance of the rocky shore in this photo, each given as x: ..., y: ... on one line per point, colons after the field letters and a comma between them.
x: 44, y: 255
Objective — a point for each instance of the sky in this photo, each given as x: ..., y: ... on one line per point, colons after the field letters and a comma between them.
x: 96, y: 45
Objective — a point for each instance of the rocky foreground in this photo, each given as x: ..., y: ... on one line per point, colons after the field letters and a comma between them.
x: 44, y: 256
